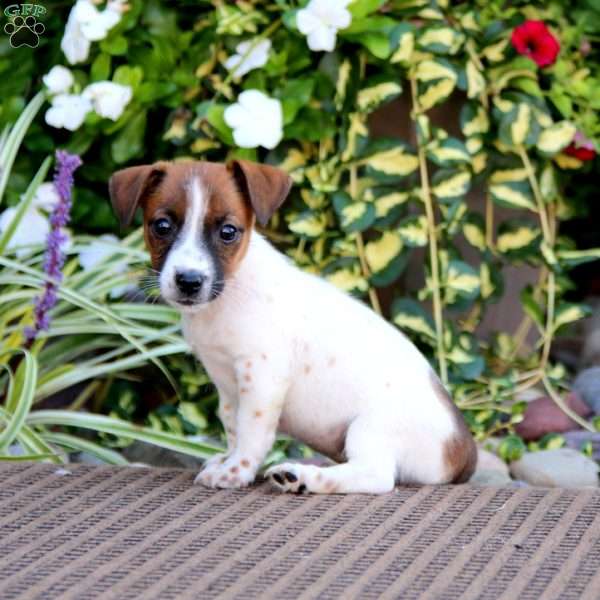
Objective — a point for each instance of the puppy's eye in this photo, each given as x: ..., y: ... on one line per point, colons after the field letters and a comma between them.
x: 229, y: 233
x: 162, y: 227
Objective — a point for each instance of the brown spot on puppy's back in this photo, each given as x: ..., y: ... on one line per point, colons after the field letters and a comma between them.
x: 460, y: 452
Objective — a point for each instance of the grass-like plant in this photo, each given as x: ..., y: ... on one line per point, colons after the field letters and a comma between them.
x: 87, y: 339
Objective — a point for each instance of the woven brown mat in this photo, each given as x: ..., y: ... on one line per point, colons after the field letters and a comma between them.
x: 121, y: 533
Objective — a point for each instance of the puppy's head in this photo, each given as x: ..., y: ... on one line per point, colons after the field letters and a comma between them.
x: 198, y: 218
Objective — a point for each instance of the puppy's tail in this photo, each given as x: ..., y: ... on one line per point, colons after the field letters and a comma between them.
x: 460, y: 451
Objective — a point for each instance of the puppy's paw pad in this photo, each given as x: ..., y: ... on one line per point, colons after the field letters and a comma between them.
x: 227, y: 473
x: 286, y: 478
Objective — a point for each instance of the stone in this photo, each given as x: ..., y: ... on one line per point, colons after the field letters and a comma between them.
x: 488, y: 461
x: 587, y: 385
x: 577, y: 439
x: 562, y: 467
x: 490, y: 478
x: 543, y: 416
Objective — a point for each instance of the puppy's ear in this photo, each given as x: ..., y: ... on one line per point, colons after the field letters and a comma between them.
x: 128, y: 186
x: 266, y: 187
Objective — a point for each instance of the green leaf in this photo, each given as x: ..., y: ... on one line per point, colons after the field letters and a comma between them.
x: 518, y: 127
x: 413, y: 231
x: 382, y: 252
x: 295, y: 95
x: 474, y: 119
x: 405, y: 44
x: 572, y: 258
x: 131, y: 76
x: 100, y: 67
x: 531, y: 306
x: 214, y: 115
x: 460, y: 280
x: 308, y: 224
x: 474, y: 231
x: 511, y: 448
x: 517, y: 236
x: 409, y: 314
x: 394, y: 161
x: 553, y: 139
x: 513, y: 195
x: 353, y: 215
x: 449, y: 184
x: 376, y: 92
x: 388, y: 203
x: 440, y: 40
x: 130, y: 141
x: 568, y: 312
x: 448, y: 152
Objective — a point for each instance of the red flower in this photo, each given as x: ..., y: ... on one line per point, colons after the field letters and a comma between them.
x: 581, y: 148
x: 534, y: 39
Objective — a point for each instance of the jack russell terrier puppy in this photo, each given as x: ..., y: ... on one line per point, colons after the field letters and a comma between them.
x: 286, y: 350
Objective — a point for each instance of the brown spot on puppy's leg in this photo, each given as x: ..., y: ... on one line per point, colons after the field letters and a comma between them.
x: 263, y: 356
x: 247, y: 378
x: 243, y: 390
x: 460, y: 452
x: 248, y: 364
x: 226, y: 407
x: 258, y: 413
x: 306, y: 369
x: 245, y: 463
x: 234, y: 469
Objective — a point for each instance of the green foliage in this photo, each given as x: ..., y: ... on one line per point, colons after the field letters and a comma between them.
x: 362, y: 206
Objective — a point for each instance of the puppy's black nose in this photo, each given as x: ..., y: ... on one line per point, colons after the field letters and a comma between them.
x: 189, y: 282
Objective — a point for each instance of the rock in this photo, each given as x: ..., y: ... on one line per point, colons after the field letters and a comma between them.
x: 577, y: 439
x: 587, y: 385
x: 543, y: 416
x: 148, y: 454
x: 491, y: 470
x: 490, y: 478
x: 563, y: 467
x: 86, y: 458
x: 487, y: 461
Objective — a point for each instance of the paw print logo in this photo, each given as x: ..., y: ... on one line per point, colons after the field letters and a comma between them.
x: 24, y: 31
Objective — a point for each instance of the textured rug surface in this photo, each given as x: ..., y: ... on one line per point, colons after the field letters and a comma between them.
x: 121, y: 533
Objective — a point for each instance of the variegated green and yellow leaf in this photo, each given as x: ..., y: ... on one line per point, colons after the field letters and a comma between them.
x: 474, y: 231
x: 451, y: 184
x: 513, y: 195
x: 515, y: 236
x: 394, y: 161
x: 380, y: 253
x: 461, y: 280
x: 474, y: 119
x: 406, y: 45
x: 573, y: 258
x: 475, y: 80
x: 436, y: 93
x: 384, y: 204
x: 431, y: 70
x: 408, y: 314
x: 308, y: 224
x: 441, y: 40
x: 569, y: 313
x: 413, y: 231
x: 447, y: 152
x: 369, y: 98
x: 348, y: 280
x: 555, y: 138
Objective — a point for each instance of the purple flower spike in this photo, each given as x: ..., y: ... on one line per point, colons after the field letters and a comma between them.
x: 54, y: 257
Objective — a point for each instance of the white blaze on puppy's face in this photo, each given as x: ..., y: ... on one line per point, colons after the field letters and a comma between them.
x: 189, y: 258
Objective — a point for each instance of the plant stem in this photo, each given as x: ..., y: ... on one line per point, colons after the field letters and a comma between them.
x: 360, y: 248
x: 433, y: 248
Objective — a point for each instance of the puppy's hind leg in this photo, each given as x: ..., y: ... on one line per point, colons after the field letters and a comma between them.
x: 371, y: 467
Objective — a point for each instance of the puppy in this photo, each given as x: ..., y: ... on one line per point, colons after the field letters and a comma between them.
x: 288, y: 351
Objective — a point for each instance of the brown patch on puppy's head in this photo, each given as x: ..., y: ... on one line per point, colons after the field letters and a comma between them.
x: 198, y: 219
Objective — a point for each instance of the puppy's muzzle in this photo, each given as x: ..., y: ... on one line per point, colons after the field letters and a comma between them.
x: 189, y: 283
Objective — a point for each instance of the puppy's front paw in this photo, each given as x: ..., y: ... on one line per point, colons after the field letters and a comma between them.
x: 287, y: 477
x: 230, y: 473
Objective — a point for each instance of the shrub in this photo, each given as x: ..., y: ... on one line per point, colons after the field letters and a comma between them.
x: 526, y: 125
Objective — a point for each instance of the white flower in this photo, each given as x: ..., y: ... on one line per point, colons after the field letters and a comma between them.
x: 109, y: 99
x: 58, y: 80
x: 31, y: 230
x: 98, y: 251
x: 320, y: 21
x: 45, y: 197
x: 68, y: 111
x: 256, y: 120
x: 241, y: 64
x: 87, y: 24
